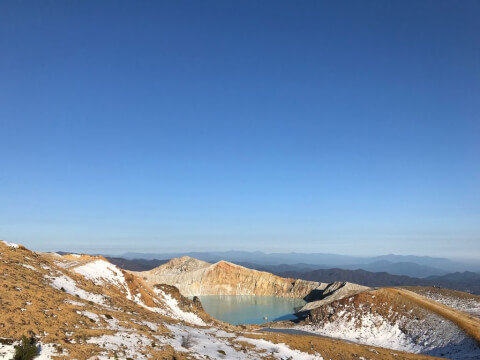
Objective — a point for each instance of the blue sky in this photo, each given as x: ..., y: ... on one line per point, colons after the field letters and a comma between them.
x: 317, y: 126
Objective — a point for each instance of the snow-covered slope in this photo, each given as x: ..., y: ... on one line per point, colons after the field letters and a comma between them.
x: 385, y: 318
x: 103, y: 273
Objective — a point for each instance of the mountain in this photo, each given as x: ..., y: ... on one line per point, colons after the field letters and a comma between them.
x: 281, y: 268
x: 195, y: 277
x: 84, y: 307
x: 417, y: 266
x: 434, y: 262
x: 256, y: 257
x: 401, y: 268
x: 463, y: 281
x: 76, y: 306
x: 361, y: 277
x: 466, y: 281
x: 398, y: 268
x: 389, y: 317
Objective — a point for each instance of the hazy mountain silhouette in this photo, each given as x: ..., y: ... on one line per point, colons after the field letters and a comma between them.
x: 410, y: 265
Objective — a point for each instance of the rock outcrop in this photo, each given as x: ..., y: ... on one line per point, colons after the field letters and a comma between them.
x: 195, y: 278
x: 334, y: 291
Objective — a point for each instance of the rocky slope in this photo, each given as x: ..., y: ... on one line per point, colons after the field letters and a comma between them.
x: 83, y: 307
x: 196, y: 277
x: 334, y: 291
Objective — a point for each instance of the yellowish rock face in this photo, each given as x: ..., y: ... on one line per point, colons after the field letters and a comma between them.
x: 195, y: 277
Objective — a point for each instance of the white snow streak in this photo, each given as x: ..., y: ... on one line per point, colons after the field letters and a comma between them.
x: 175, y: 310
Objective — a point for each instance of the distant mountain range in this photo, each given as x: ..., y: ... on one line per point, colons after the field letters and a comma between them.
x: 400, y: 268
x: 409, y: 265
x: 463, y: 281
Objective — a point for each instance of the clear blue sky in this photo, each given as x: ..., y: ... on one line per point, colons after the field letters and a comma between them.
x: 321, y: 126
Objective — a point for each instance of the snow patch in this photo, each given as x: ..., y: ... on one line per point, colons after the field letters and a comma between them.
x: 175, y: 311
x: 152, y: 326
x: 29, y: 267
x: 7, y: 351
x: 203, y: 343
x: 70, y: 287
x: 128, y: 343
x: 45, y: 351
x: 102, y: 272
x: 90, y: 315
x: 48, y: 351
x: 11, y: 245
x: 279, y: 351
x: 113, y: 323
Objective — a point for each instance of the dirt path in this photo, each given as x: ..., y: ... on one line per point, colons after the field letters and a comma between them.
x: 469, y: 323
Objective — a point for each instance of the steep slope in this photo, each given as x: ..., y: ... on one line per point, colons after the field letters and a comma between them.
x: 81, y: 307
x: 196, y: 277
x: 395, y: 319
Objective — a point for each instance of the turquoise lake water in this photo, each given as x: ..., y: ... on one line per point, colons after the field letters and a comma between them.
x: 250, y: 309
